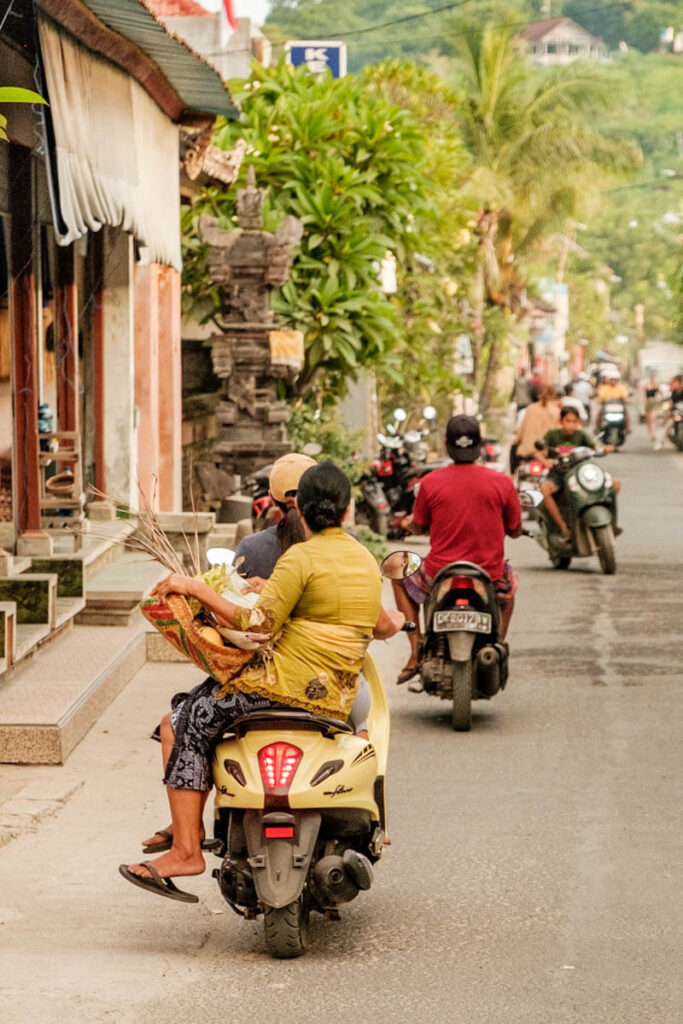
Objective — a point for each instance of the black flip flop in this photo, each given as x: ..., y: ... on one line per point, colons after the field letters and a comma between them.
x: 407, y: 673
x: 156, y: 884
x: 166, y: 844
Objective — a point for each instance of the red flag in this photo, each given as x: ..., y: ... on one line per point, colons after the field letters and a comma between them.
x: 230, y: 14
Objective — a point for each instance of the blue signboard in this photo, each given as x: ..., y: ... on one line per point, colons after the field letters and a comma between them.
x: 318, y: 55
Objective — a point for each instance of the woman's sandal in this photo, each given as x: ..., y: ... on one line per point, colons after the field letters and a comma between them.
x: 157, y: 884
x: 167, y: 843
x: 406, y: 673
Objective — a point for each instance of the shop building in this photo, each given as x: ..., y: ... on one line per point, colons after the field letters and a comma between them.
x: 90, y: 323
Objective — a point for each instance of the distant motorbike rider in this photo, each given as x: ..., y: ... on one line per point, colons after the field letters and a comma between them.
x: 612, y: 391
x: 675, y: 397
x: 467, y: 511
x: 568, y: 435
x: 583, y: 390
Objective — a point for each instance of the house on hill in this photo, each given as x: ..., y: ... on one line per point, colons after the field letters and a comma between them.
x: 560, y: 41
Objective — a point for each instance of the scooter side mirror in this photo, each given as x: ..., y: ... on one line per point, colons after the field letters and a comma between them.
x: 312, y: 449
x: 220, y: 556
x: 429, y: 412
x: 400, y: 564
x: 539, y: 446
x: 400, y: 415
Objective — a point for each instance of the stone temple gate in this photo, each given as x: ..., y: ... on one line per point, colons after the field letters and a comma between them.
x: 250, y: 354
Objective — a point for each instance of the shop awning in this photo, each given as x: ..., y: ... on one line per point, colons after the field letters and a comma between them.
x: 115, y: 155
x: 128, y: 34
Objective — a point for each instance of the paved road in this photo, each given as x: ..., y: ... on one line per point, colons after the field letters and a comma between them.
x: 535, y: 874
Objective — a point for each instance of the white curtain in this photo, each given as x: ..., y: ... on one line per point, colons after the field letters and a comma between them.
x: 117, y: 153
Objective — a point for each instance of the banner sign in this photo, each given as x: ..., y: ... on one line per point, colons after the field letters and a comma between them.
x: 318, y: 55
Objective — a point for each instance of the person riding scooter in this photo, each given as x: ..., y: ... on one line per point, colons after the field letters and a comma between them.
x: 322, y: 607
x: 568, y: 435
x: 612, y: 390
x: 467, y: 511
x: 257, y: 553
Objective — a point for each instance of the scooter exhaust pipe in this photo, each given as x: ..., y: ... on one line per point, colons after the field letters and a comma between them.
x: 489, y: 670
x: 488, y: 656
x: 339, y: 879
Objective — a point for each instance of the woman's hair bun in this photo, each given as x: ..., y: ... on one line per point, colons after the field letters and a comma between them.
x: 323, y: 496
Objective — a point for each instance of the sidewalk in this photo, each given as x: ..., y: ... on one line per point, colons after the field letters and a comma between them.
x: 31, y: 793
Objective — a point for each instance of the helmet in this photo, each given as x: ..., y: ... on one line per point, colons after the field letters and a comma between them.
x: 286, y: 473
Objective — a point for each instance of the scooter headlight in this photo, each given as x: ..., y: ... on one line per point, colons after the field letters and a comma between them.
x: 591, y: 476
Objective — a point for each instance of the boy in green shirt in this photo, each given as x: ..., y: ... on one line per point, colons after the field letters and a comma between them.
x: 568, y: 435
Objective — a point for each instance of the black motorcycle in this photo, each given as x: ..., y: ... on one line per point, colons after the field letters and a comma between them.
x: 613, y: 423
x: 676, y: 427
x: 462, y: 656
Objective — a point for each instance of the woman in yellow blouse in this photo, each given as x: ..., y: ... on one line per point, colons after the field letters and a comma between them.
x: 320, y: 608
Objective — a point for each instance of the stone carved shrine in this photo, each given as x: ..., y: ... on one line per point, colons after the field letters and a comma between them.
x: 251, y: 354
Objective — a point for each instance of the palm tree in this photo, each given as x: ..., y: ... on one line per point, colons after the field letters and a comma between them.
x: 535, y: 159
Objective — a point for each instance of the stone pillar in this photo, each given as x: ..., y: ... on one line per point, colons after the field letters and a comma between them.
x: 120, y: 456
x: 147, y: 382
x: 66, y: 338
x: 170, y: 377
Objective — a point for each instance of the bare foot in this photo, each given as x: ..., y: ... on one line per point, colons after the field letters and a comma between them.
x: 363, y: 734
x: 172, y: 864
x: 158, y: 838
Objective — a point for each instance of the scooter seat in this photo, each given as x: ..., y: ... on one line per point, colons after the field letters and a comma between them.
x: 293, y: 719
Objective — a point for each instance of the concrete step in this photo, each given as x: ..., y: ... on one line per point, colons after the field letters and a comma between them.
x: 48, y: 704
x: 35, y: 595
x: 113, y: 594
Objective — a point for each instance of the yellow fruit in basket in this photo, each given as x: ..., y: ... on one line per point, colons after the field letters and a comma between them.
x: 211, y: 635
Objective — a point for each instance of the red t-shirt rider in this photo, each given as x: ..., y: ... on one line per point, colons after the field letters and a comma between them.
x: 467, y: 510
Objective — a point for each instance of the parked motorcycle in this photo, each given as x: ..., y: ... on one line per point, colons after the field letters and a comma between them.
x: 589, y: 507
x: 300, y: 814
x: 613, y: 423
x: 676, y: 426
x: 390, y: 486
x: 462, y: 656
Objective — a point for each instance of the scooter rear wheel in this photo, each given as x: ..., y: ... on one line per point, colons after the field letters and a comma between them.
x: 461, y: 716
x: 286, y: 929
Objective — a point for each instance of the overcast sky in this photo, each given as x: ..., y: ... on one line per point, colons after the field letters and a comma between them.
x: 254, y: 9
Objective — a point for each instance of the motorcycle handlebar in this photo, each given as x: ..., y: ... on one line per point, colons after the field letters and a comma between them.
x: 408, y: 627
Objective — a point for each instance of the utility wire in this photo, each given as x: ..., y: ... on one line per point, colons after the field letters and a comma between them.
x: 418, y: 16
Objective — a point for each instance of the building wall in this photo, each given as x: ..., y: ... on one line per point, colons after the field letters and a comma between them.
x: 232, y: 60
x: 158, y: 386
x: 120, y: 448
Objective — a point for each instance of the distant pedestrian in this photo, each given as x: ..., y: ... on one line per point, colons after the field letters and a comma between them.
x: 521, y: 392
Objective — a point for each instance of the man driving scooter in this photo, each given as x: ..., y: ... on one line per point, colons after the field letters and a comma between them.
x: 568, y: 435
x: 467, y: 511
x: 612, y: 390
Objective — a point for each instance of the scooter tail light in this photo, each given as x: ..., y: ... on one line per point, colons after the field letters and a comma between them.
x: 278, y: 763
x: 461, y: 582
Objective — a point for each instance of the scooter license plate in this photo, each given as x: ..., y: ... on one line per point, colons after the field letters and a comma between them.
x: 454, y: 619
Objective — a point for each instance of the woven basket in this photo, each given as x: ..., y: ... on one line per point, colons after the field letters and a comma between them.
x: 174, y: 620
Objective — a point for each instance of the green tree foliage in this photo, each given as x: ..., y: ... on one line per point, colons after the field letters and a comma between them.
x: 348, y: 164
x: 12, y: 94
x: 535, y: 159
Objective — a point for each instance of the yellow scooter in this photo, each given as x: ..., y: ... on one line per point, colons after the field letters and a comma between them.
x: 300, y: 814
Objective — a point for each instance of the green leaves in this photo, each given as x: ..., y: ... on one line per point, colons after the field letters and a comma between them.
x: 12, y: 94
x: 349, y: 164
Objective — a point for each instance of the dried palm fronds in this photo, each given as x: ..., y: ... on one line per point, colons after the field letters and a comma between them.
x: 150, y: 538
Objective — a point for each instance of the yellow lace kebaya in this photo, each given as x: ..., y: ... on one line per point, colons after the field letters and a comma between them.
x: 320, y: 605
